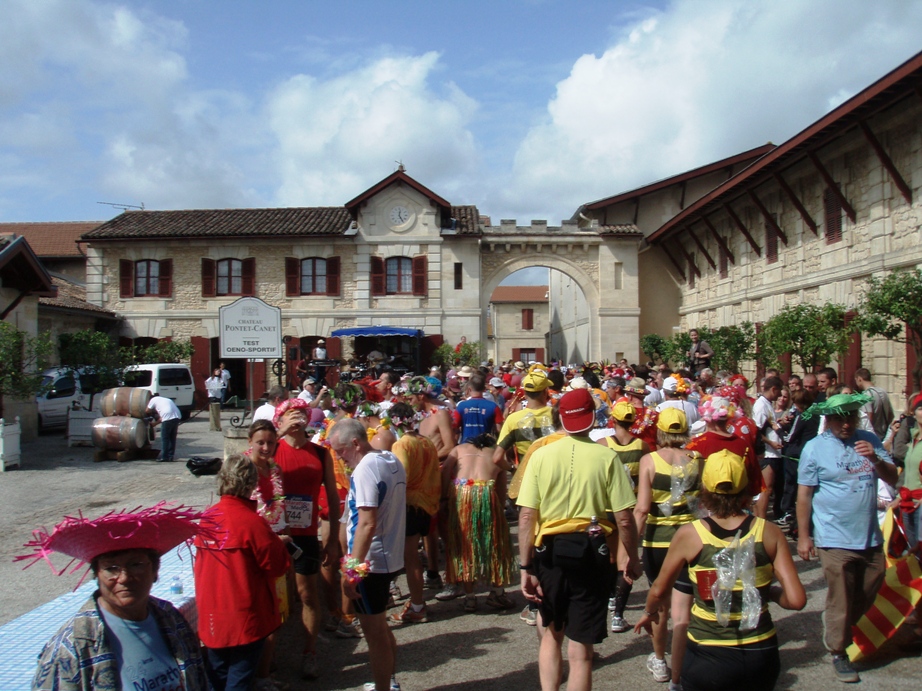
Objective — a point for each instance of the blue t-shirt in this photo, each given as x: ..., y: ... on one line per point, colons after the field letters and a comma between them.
x: 144, y: 660
x: 845, y: 490
x: 478, y: 416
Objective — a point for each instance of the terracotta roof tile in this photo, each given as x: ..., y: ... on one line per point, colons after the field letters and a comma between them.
x: 468, y: 220
x: 519, y: 294
x: 225, y: 223
x: 52, y: 239
x: 71, y: 296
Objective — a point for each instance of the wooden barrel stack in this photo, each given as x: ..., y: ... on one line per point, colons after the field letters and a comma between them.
x: 122, y: 431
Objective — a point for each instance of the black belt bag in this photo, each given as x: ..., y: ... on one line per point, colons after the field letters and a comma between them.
x: 577, y: 551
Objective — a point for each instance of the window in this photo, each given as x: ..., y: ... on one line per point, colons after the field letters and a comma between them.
x: 619, y: 275
x: 459, y: 276
x: 311, y: 276
x: 399, y: 276
x: 771, y: 244
x: 528, y: 355
x: 722, y: 262
x: 228, y: 277
x: 145, y: 278
x: 528, y: 319
x: 691, y: 270
x: 832, y: 211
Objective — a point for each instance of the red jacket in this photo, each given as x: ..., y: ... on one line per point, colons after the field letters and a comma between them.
x: 235, y: 571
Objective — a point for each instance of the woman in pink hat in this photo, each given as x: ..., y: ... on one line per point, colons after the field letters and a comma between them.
x: 122, y: 638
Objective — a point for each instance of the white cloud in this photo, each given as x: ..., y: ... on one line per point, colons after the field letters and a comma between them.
x: 338, y: 136
x: 697, y: 82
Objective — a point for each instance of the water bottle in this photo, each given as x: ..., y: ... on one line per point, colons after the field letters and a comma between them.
x: 176, y: 586
x: 595, y: 530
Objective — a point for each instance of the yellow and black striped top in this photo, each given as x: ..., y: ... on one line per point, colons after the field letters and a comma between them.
x: 661, y: 528
x: 704, y: 628
x: 629, y: 455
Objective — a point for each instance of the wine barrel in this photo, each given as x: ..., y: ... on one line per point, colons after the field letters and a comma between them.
x: 124, y: 400
x: 119, y: 433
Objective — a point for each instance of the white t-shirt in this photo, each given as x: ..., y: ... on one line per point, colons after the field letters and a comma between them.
x: 379, y: 481
x: 165, y: 408
x: 763, y: 411
x: 264, y: 412
x: 687, y: 407
x: 654, y: 397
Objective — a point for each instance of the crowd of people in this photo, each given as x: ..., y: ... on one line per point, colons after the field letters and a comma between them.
x: 612, y: 472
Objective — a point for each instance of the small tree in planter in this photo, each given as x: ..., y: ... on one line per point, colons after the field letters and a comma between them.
x: 22, y: 360
x: 813, y: 335
x: 470, y: 353
x: 97, y: 357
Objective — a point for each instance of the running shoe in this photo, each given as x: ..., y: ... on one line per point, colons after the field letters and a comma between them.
x: 785, y: 520
x: 309, y: 668
x: 499, y: 601
x: 618, y: 625
x: 409, y: 615
x: 470, y: 603
x: 658, y: 668
x: 529, y: 616
x: 348, y: 629
x: 396, y: 593
x: 434, y: 582
x: 673, y: 686
x: 611, y: 604
x: 451, y: 592
x: 370, y: 686
x: 843, y: 670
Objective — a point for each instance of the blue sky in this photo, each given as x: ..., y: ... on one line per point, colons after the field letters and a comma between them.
x: 525, y: 108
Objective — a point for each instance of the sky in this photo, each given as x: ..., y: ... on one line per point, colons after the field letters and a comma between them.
x: 525, y: 108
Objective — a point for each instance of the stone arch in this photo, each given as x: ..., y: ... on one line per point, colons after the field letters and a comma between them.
x: 586, y: 283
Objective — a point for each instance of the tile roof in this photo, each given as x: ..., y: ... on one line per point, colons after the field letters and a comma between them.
x: 73, y: 297
x: 468, y: 220
x: 519, y: 294
x: 219, y: 223
x: 52, y: 239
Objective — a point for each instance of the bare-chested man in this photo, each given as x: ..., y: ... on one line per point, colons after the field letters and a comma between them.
x: 435, y: 426
x: 477, y: 544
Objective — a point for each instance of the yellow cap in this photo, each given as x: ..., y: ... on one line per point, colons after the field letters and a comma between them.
x: 725, y: 468
x: 624, y: 412
x: 535, y: 381
x: 672, y: 421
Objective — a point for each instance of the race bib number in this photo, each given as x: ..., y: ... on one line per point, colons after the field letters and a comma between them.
x: 299, y: 510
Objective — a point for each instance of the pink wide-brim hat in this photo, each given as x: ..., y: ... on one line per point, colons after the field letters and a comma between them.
x: 285, y: 406
x: 160, y: 528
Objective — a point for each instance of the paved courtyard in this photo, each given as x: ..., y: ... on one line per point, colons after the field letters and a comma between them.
x: 455, y: 650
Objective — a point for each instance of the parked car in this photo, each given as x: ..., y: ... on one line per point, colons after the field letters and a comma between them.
x: 167, y: 379
x: 61, y: 387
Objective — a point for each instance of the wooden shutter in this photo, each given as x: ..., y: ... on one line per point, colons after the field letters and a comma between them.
x: 539, y: 355
x: 378, y: 285
x: 166, y: 278
x: 516, y: 354
x: 125, y: 278
x: 420, y: 275
x: 832, y: 216
x: 208, y: 278
x: 248, y: 276
x: 333, y: 276
x: 292, y: 276
x: 200, y: 364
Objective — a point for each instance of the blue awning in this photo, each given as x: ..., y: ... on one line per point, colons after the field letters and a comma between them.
x: 377, y: 331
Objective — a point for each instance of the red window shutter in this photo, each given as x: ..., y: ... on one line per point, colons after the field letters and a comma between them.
x: 377, y: 276
x: 248, y: 276
x: 420, y: 274
x: 539, y: 355
x: 208, y: 278
x: 516, y: 354
x: 125, y: 278
x: 166, y: 278
x: 292, y: 276
x: 333, y: 276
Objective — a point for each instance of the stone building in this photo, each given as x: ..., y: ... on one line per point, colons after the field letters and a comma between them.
x: 810, y: 221
x: 519, y: 321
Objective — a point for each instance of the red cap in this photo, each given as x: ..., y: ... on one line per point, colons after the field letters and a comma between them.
x: 577, y: 411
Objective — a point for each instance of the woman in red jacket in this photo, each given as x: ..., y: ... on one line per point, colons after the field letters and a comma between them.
x: 235, y: 572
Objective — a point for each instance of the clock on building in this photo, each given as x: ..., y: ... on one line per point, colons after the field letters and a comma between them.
x: 399, y: 215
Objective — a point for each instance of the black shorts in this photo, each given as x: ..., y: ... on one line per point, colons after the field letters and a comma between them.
x: 418, y: 521
x: 752, y: 667
x: 575, y: 600
x: 374, y: 593
x: 653, y: 558
x: 309, y: 562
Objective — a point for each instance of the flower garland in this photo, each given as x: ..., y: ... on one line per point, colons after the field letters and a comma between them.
x: 353, y: 569
x: 273, y: 508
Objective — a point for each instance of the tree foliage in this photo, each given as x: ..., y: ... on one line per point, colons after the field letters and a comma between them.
x: 471, y: 353
x: 732, y: 345
x: 163, y: 351
x: 655, y: 347
x: 892, y: 308
x: 813, y: 335
x: 22, y: 360
x: 96, y: 355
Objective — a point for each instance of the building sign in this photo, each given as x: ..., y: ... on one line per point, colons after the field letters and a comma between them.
x: 251, y: 329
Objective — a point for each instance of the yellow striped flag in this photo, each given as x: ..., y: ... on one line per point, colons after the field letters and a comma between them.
x: 896, y: 599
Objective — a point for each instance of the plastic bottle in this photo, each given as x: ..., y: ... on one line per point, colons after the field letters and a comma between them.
x: 595, y: 530
x: 176, y: 586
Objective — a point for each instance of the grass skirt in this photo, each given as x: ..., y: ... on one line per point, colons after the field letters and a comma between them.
x: 478, y: 545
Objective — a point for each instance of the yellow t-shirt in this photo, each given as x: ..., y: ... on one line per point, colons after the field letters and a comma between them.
x: 570, y: 481
x: 524, y: 427
x: 421, y: 462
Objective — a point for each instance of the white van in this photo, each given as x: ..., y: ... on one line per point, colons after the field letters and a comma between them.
x: 167, y: 379
x: 61, y: 387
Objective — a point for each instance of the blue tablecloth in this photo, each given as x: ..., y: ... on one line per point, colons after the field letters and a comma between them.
x: 22, y: 639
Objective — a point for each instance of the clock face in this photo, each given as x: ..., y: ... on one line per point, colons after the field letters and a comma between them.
x: 399, y: 215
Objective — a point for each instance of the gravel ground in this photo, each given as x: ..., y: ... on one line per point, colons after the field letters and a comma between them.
x: 455, y: 650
